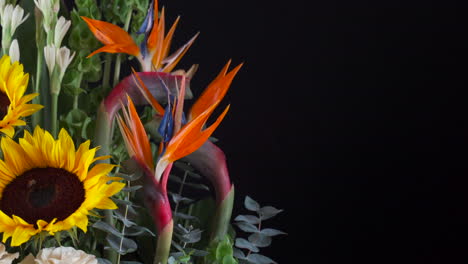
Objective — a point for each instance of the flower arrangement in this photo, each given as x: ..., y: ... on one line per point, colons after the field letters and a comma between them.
x: 94, y: 165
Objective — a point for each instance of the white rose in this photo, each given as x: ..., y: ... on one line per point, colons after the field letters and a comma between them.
x: 61, y: 255
x: 5, y: 257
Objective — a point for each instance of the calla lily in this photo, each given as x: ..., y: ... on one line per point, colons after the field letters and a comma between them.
x: 153, y: 53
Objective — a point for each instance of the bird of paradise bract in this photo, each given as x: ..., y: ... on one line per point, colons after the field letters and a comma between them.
x: 153, y: 52
x: 208, y: 158
x: 179, y: 140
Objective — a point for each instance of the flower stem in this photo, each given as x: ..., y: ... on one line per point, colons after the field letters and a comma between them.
x: 36, y: 117
x: 119, y: 57
x: 107, y: 68
x: 222, y: 217
x: 54, y: 114
x: 103, y: 137
x: 164, y: 244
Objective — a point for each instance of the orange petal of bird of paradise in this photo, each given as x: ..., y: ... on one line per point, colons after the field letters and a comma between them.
x: 215, y: 90
x: 135, y: 136
x: 115, y: 39
x: 189, y: 138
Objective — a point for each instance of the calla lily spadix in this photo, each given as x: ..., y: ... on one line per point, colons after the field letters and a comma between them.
x: 153, y: 53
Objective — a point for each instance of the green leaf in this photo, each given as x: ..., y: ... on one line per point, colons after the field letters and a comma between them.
x: 251, y: 204
x: 228, y: 260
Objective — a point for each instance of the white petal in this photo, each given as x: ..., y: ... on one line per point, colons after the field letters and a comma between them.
x: 61, y: 29
x: 14, y: 51
x: 49, y: 55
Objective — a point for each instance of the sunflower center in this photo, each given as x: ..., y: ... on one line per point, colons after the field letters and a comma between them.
x: 43, y: 193
x: 4, y: 103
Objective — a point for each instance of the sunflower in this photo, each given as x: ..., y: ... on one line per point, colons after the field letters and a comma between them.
x: 13, y: 102
x: 47, y: 185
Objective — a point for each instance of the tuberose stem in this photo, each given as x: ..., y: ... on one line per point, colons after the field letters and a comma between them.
x: 54, y: 120
x: 36, y: 117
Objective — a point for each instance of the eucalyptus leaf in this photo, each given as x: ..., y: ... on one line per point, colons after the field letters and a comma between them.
x: 185, y: 216
x: 124, y: 219
x: 271, y: 232
x: 137, y: 231
x: 247, y: 227
x: 238, y: 253
x: 243, y: 243
x: 248, y: 219
x: 191, y: 237
x: 268, y: 212
x: 260, y: 259
x: 178, y: 198
x: 196, y: 252
x: 103, y: 261
x: 183, y: 166
x: 101, y: 225
x: 260, y: 240
x: 171, y: 260
x: 199, y: 186
x: 130, y: 262
x: 122, y: 245
x: 251, y: 204
x: 132, y: 188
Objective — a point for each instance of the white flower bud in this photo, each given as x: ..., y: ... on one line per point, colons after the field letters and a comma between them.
x: 7, y: 13
x: 2, y: 6
x: 17, y: 18
x: 64, y: 59
x: 14, y: 51
x: 46, y: 7
x: 61, y: 29
x: 49, y: 55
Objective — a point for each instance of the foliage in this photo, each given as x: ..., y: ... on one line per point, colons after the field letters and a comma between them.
x: 258, y: 237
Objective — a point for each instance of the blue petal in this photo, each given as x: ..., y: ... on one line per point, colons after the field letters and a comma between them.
x: 148, y: 22
x: 166, y: 126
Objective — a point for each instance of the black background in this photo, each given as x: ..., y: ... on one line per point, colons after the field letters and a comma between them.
x: 349, y: 115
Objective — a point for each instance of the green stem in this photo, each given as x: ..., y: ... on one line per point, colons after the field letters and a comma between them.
x: 123, y: 226
x: 164, y: 244
x: 54, y: 115
x: 119, y: 57
x: 75, y: 101
x: 222, y: 217
x: 103, y: 137
x: 107, y: 68
x: 36, y: 117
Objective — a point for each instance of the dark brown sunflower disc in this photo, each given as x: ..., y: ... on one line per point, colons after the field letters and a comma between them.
x: 43, y: 193
x: 4, y: 103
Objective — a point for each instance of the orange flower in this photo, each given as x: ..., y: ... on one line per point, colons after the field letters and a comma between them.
x: 154, y: 51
